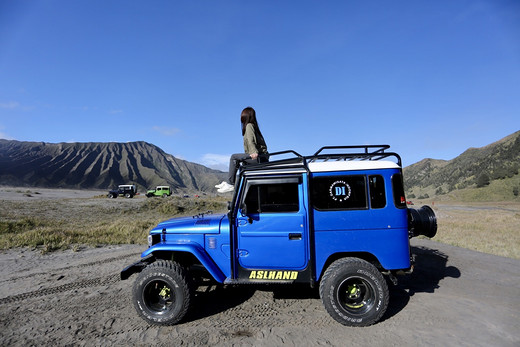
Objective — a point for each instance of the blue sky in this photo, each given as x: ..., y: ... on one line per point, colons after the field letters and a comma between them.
x: 429, y: 78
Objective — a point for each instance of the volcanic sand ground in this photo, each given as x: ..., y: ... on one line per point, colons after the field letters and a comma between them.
x: 454, y: 297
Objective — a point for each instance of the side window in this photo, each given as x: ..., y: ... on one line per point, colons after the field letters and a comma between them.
x: 376, y: 185
x: 278, y: 197
x: 339, y: 193
x: 398, y: 191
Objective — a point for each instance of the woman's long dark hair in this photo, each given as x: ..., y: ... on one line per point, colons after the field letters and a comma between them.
x: 249, y: 116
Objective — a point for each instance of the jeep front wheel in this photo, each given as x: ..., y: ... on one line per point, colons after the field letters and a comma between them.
x: 354, y: 292
x: 161, y: 293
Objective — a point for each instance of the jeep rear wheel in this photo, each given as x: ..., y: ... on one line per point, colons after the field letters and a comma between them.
x: 161, y: 293
x: 354, y: 292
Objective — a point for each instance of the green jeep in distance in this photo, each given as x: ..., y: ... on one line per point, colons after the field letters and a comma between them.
x: 163, y: 191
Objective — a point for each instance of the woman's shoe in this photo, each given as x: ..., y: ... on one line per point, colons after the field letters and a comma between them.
x: 221, y: 185
x: 226, y: 188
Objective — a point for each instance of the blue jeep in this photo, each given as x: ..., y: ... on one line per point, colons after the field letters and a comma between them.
x: 337, y: 219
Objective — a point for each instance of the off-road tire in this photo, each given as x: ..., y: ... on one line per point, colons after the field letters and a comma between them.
x: 354, y: 292
x: 112, y: 196
x: 161, y: 293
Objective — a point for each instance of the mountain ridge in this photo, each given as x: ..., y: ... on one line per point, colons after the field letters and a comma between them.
x: 474, y: 168
x: 103, y: 165
x: 99, y: 165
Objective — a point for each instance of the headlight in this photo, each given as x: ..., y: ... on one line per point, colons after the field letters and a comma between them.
x: 150, y: 240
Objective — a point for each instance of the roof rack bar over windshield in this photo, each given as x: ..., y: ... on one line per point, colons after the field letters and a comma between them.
x: 296, y: 154
x: 292, y: 158
x: 292, y: 161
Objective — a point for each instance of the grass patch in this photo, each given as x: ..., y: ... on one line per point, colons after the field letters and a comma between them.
x: 481, y: 227
x: 50, y: 225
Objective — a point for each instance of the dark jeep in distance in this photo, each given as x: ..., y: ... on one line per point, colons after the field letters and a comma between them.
x: 126, y: 190
x: 337, y: 220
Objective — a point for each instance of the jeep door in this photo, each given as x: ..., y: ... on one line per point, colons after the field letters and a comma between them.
x: 272, y: 225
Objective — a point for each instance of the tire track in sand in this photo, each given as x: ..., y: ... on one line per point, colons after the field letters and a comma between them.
x: 63, y: 288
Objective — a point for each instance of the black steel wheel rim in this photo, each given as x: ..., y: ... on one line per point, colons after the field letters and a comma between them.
x: 356, y: 295
x: 159, y: 296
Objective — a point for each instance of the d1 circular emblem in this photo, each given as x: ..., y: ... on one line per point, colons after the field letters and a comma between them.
x: 340, y: 191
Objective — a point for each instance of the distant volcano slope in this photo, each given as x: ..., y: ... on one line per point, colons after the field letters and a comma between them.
x: 99, y: 166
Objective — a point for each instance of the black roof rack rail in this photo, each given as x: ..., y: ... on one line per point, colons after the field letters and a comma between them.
x: 364, y: 152
x: 377, y: 148
x: 341, y: 153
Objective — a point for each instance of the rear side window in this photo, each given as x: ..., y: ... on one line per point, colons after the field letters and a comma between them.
x: 339, y: 193
x: 398, y: 191
x: 376, y: 185
x: 264, y: 198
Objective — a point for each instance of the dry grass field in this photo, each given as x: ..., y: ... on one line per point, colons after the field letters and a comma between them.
x: 64, y: 219
x: 492, y: 228
x: 50, y: 220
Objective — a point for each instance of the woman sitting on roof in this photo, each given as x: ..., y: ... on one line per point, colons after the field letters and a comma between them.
x: 255, y: 149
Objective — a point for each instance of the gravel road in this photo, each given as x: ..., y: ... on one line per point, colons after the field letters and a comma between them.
x: 455, y: 297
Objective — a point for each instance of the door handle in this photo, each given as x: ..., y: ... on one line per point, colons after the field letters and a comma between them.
x: 295, y: 236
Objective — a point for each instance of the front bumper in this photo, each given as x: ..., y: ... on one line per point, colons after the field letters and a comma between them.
x: 137, y: 266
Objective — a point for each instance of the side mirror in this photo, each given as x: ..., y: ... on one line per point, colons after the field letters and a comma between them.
x: 243, y: 209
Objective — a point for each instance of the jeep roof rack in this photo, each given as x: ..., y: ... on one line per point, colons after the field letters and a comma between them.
x: 357, y: 152
x: 327, y: 153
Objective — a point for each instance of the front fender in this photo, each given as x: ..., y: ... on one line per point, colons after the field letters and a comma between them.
x: 193, y: 248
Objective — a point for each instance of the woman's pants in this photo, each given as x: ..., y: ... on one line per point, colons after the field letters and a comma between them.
x: 235, y: 161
